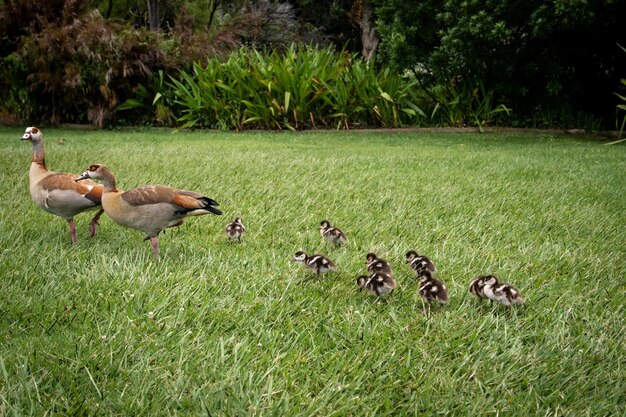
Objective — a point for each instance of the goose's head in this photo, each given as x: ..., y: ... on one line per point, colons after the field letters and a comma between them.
x: 96, y: 171
x: 491, y: 280
x: 370, y: 257
x: 300, y: 256
x: 426, y: 275
x: 480, y: 280
x: 410, y: 255
x: 32, y: 134
x: 361, y: 281
x: 324, y: 225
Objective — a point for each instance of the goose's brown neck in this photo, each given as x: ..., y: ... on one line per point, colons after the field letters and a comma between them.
x: 108, y: 181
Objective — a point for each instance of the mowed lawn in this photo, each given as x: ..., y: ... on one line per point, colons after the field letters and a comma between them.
x: 219, y: 328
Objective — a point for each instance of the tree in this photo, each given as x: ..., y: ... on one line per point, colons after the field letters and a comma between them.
x: 213, y: 5
x: 362, y: 14
x: 109, y: 10
x: 153, y: 15
x: 551, y: 56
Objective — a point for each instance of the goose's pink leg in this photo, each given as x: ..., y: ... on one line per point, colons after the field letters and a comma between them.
x: 72, y: 230
x: 94, y: 223
x: 155, y: 245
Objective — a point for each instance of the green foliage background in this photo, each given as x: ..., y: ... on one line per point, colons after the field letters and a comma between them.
x: 554, y: 62
x: 550, y: 63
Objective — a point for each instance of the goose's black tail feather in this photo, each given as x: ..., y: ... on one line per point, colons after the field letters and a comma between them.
x: 209, y: 203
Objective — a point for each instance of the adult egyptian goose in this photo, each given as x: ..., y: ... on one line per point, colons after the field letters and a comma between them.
x: 503, y: 293
x: 332, y: 234
x: 149, y: 208
x: 477, y: 286
x: 419, y: 263
x: 431, y: 289
x: 320, y: 264
x: 377, y: 284
x: 57, y: 192
x: 235, y: 229
x: 376, y: 264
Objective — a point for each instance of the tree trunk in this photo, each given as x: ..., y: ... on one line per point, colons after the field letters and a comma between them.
x: 213, y: 5
x: 153, y: 15
x: 368, y: 31
x: 109, y: 10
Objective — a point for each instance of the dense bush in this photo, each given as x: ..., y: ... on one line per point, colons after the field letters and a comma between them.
x: 76, y: 68
x: 79, y: 72
x: 63, y: 62
x: 554, y: 62
x: 304, y: 87
x: 547, y: 63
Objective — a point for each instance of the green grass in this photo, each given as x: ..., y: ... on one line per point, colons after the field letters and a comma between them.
x: 218, y: 328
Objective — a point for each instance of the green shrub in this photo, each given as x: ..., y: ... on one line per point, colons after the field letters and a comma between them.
x: 65, y: 63
x: 77, y: 70
x: 153, y: 102
x: 304, y: 87
x: 457, y: 104
x: 551, y: 61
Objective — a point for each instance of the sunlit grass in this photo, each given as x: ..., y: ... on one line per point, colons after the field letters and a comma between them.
x: 222, y: 328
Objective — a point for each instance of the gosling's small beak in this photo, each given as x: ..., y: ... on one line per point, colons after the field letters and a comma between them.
x: 84, y: 176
